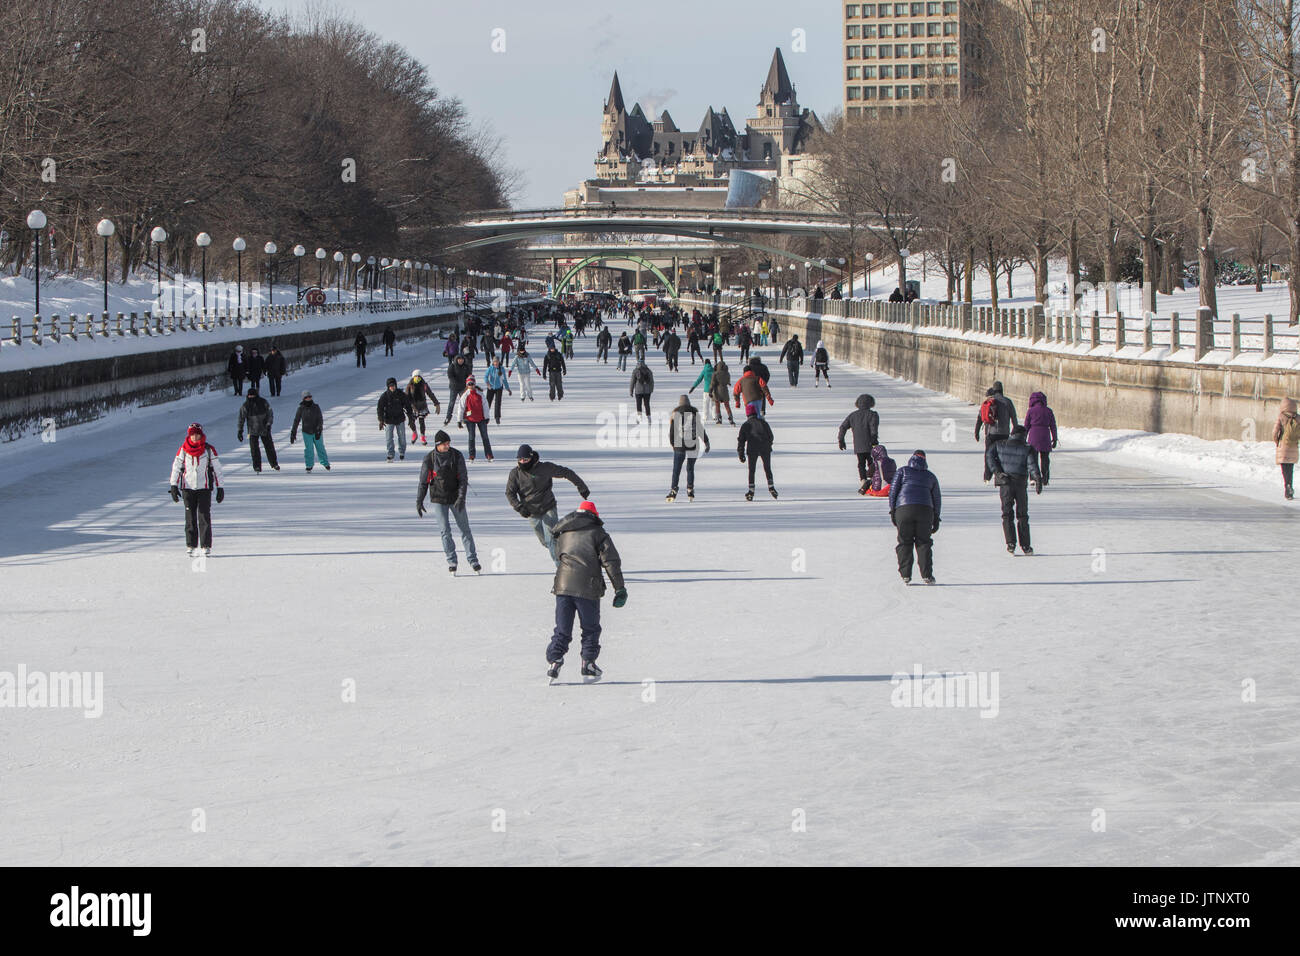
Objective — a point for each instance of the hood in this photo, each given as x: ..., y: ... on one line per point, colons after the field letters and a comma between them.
x: 918, y: 461
x: 1037, y: 398
x: 1288, y: 406
x: 577, y: 521
x: 865, y: 401
x: 879, y: 453
x: 997, y: 387
x: 392, y: 382
x: 821, y: 344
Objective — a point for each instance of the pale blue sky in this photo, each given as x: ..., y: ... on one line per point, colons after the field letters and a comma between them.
x: 544, y: 94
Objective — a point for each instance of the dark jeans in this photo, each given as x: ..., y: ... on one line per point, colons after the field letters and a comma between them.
x: 482, y: 429
x: 255, y: 381
x: 767, y: 467
x: 388, y: 348
x: 823, y: 371
x: 672, y: 361
x: 744, y: 354
x: 603, y: 353
x: 1044, y: 464
x: 557, y: 385
x: 866, y: 467
x: 1288, y: 470
x: 361, y: 358
x: 717, y: 354
x: 257, y: 452
x: 643, y: 401
x: 238, y: 380
x: 273, y: 381
x: 588, y: 611
x: 914, y: 524
x: 1015, y: 510
x: 198, y: 518
x: 493, y: 406
x: 679, y: 456
x: 989, y: 442
x: 695, y: 350
x: 622, y: 361
x: 793, y: 369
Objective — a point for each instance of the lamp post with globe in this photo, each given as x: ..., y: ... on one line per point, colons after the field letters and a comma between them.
x: 158, y: 235
x: 270, y: 249
x: 105, y: 228
x: 356, y: 270
x: 203, y: 240
x: 239, y: 245
x: 299, y: 251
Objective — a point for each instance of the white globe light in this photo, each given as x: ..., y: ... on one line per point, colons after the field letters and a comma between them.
x: 338, y: 257
x: 270, y: 249
x: 239, y: 245
x: 105, y: 228
x: 158, y: 234
x: 904, y: 252
x: 299, y: 251
x: 320, y: 253
x: 36, y: 219
x: 356, y: 257
x: 203, y: 240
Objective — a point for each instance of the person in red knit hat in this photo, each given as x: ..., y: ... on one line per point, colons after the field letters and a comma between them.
x: 196, y: 473
x: 584, y: 550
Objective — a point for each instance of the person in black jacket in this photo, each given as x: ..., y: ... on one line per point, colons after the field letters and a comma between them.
x: 529, y: 489
x: 257, y: 414
x: 390, y: 339
x: 237, y: 369
x: 458, y: 370
x: 446, y: 479
x: 865, y: 425
x: 1014, y: 465
x: 554, y: 370
x: 821, y: 363
x: 672, y: 348
x: 256, y: 369
x: 792, y: 355
x: 359, y: 343
x: 755, y: 440
x: 604, y: 338
x: 585, y: 551
x: 1004, y: 419
x: 312, y: 420
x: 394, y: 411
x: 276, y: 369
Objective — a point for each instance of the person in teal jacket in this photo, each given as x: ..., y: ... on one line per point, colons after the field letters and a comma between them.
x: 705, y: 378
x: 497, y: 382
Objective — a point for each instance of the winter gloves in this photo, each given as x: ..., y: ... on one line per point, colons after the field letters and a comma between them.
x: 892, y: 519
x: 175, y: 492
x: 1038, y: 487
x: 620, y: 597
x: 460, y: 504
x: 241, y: 436
x: 1053, y: 444
x: 293, y: 437
x: 523, y: 511
x: 419, y: 507
x: 221, y: 495
x: 843, y: 447
x: 934, y: 528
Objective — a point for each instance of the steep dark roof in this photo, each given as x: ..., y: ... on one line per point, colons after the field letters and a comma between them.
x: 666, y: 123
x: 615, y: 102
x: 778, y: 83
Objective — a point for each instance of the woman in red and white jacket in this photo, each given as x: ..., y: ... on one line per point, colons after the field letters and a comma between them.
x: 470, y: 408
x: 196, y: 471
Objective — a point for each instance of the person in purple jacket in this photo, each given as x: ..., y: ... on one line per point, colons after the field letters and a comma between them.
x: 1041, y: 423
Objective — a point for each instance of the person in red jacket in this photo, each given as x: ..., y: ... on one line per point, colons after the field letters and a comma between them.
x: 471, y: 409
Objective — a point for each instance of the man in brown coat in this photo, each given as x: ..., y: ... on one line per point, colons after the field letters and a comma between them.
x: 585, y: 549
x: 750, y: 389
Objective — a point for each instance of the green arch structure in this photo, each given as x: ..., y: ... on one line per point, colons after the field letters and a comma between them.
x: 608, y: 257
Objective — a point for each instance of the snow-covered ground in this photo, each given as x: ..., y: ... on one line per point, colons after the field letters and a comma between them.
x: 1145, y: 670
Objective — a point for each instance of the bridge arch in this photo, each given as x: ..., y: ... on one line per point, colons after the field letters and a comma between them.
x: 606, y: 257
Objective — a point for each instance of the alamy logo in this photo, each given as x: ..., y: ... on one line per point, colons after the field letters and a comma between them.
x: 628, y: 430
x: 919, y: 689
x: 62, y: 689
x: 102, y: 909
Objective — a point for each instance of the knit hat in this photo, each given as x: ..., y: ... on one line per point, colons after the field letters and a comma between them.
x: 194, y: 429
x: 415, y: 373
x: 589, y: 506
x: 440, y: 436
x: 392, y: 381
x: 751, y: 408
x: 525, y: 451
x: 918, y: 454
x: 683, y: 400
x: 306, y: 393
x: 252, y: 391
x: 239, y: 348
x: 469, y: 380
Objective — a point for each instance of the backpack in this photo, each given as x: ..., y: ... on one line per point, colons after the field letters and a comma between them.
x: 989, y: 411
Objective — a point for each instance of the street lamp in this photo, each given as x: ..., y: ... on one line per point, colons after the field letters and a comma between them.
x: 338, y: 277
x: 383, y: 274
x: 320, y: 267
x: 869, y: 258
x: 270, y: 250
x: 203, y: 240
x: 410, y: 276
x: 370, y: 276
x: 299, y: 252
x: 841, y: 262
x: 105, y: 228
x: 158, y: 235
x: 902, y: 272
x: 239, y: 245
x: 356, y: 270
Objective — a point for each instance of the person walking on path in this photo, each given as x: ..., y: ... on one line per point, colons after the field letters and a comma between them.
x: 359, y: 344
x: 472, y: 413
x: 1014, y: 465
x: 604, y: 338
x: 792, y: 355
x: 530, y: 491
x: 445, y: 478
x: 585, y: 550
x: 497, y: 382
x: 914, y: 505
x: 257, y: 414
x: 997, y: 416
x: 195, y: 474
x: 821, y: 363
x: 755, y: 441
x: 1286, y: 435
x: 522, y: 364
x: 312, y: 420
x: 1041, y: 424
x: 624, y: 350
x: 390, y: 340
x: 458, y: 370
x: 773, y: 330
x: 641, y: 388
x: 256, y: 369
x: 237, y: 368
x: 864, y: 422
x: 554, y: 370
x: 276, y: 369
x: 394, y: 411
x: 685, y: 432
x: 419, y: 394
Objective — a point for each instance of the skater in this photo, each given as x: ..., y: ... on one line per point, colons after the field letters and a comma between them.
x: 458, y: 370
x: 1041, y: 423
x: 257, y: 413
x: 914, y: 505
x: 755, y: 440
x: 394, y: 411
x: 744, y: 340
x: 359, y: 344
x: 276, y: 369
x: 773, y: 330
x: 444, y: 476
x: 717, y: 341
x: 821, y: 363
x: 196, y: 471
x: 1014, y: 465
x: 452, y: 348
x: 256, y: 369
x: 584, y: 549
x: 497, y: 382
x: 523, y: 362
x: 672, y: 348
x: 792, y: 355
x: 237, y: 369
x: 865, y: 425
x: 530, y: 491
x: 389, y: 339
x: 693, y: 343
x: 641, y: 387
x: 419, y: 394
x: 312, y: 420
x: 471, y: 413
x: 705, y: 378
x: 1286, y: 435
x: 624, y: 350
x: 554, y: 370
x: 997, y: 416
x: 638, y: 344
x: 685, y: 432
x: 720, y: 393
x: 604, y: 338
x: 751, y: 390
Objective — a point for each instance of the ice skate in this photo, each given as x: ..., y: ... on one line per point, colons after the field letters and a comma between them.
x: 749, y: 495
x: 590, y: 672
x: 671, y: 496
x: 772, y: 490
x: 553, y: 670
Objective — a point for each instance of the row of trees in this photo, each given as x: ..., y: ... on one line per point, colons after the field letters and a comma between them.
x: 216, y: 116
x: 1168, y: 130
